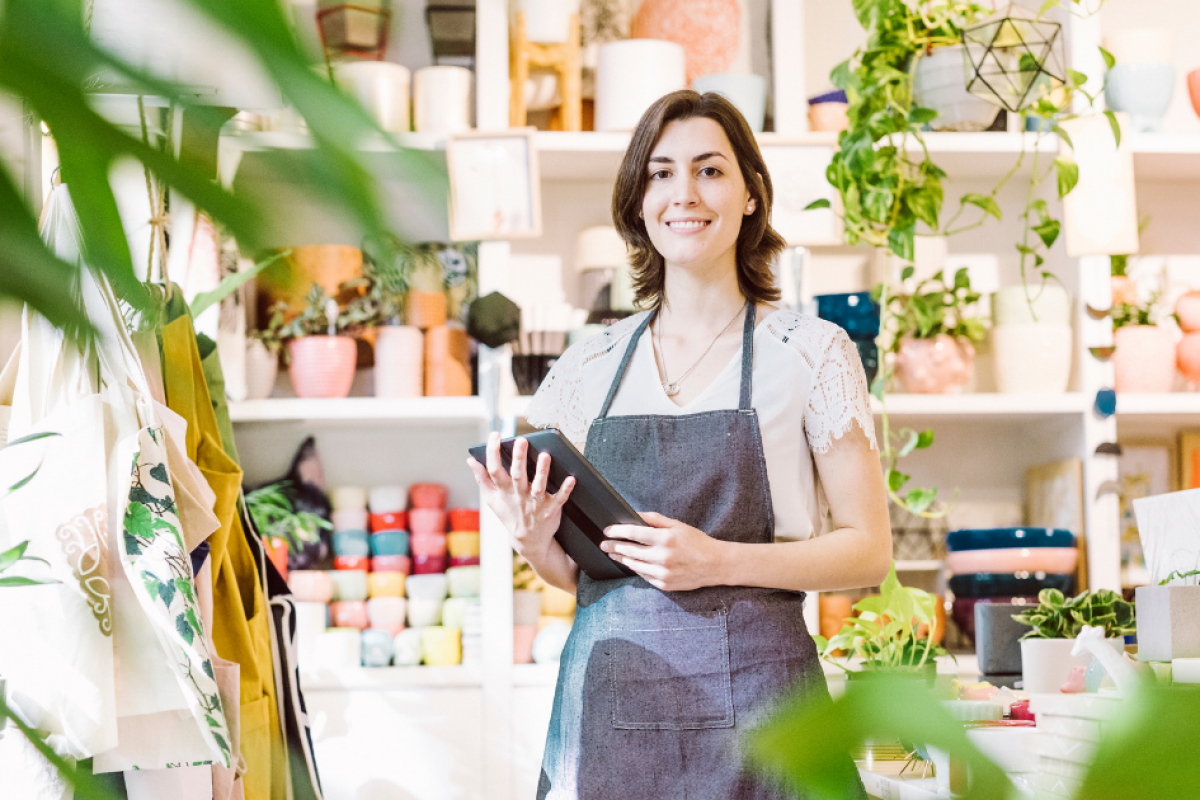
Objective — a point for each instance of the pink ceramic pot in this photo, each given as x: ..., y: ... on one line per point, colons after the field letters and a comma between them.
x: 428, y: 495
x: 464, y: 519
x: 1011, y: 559
x: 1144, y: 360
x: 1187, y: 357
x: 387, y: 613
x: 389, y: 521
x: 941, y: 365
x: 310, y: 585
x: 427, y: 520
x: 428, y: 544
x: 1187, y: 308
x: 322, y: 366
x: 349, y: 614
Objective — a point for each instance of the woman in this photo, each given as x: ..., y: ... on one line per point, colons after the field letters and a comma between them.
x: 726, y: 438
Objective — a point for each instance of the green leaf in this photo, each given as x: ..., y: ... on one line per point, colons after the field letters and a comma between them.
x: 925, y: 205
x: 985, y: 202
x: 1067, y: 172
x: 159, y: 473
x: 1109, y: 60
x: 184, y: 585
x: 1062, y: 134
x: 1076, y: 78
x: 907, y: 272
x: 206, y: 665
x: 33, y: 437
x: 1046, y: 6
x: 901, y: 242
x: 24, y: 480
x: 138, y: 520
x: 878, y: 386
x: 1047, y: 231
x: 925, y: 439
x: 212, y: 722
x: 1115, y: 125
x: 922, y: 116
x: 132, y: 546
x: 184, y: 628
x: 815, y: 204
x: 194, y: 622
x: 15, y: 580
x: 230, y: 284
x: 910, y: 442
x: 166, y: 590
x: 919, y: 500
x: 13, y: 555
x: 896, y: 479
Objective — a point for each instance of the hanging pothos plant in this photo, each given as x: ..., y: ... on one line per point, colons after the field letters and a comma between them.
x: 889, y: 183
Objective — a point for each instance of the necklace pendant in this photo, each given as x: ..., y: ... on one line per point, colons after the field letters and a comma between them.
x: 671, y: 389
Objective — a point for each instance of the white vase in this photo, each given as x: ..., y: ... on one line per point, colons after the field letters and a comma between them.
x: 1046, y: 663
x: 262, y: 366
x: 399, y: 361
x: 442, y: 100
x: 381, y: 87
x: 1034, y: 358
x: 631, y: 75
x: 940, y: 83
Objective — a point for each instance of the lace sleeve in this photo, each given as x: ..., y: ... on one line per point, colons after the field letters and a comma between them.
x: 838, y: 396
x: 557, y: 402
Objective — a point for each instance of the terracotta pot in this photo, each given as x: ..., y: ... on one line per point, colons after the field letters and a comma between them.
x: 262, y: 366
x: 1144, y: 360
x: 322, y: 366
x: 1187, y: 309
x: 425, y: 309
x: 1193, y: 82
x: 941, y: 365
x: 1187, y: 357
x: 291, y: 279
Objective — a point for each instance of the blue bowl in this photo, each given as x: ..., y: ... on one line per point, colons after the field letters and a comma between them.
x: 992, y: 538
x: 351, y: 543
x: 1010, y: 584
x: 390, y: 543
x: 1143, y: 91
x: 377, y: 648
x: 836, y: 96
x: 854, y: 312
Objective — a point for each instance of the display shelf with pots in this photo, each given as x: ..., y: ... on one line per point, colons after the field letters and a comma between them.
x: 416, y: 410
x: 391, y: 678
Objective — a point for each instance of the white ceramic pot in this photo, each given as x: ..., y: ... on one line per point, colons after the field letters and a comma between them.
x: 940, y: 83
x: 1144, y: 359
x: 381, y: 87
x: 262, y: 367
x: 442, y: 100
x: 547, y: 21
x: 1032, y: 358
x: 631, y: 75
x: 1046, y: 663
x: 399, y: 361
x: 747, y: 92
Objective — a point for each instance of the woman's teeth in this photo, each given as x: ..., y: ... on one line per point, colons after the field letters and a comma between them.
x: 688, y: 225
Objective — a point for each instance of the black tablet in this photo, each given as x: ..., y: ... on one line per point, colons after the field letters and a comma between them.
x: 593, y: 506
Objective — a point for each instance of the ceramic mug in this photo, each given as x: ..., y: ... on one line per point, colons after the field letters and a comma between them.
x: 387, y: 521
x: 387, y: 499
x: 310, y: 585
x: 351, y: 563
x: 349, y: 614
x: 441, y: 647
x: 390, y: 543
x: 351, y: 543
x: 464, y: 519
x: 428, y: 495
x: 349, y: 584
x: 463, y: 543
x: 388, y: 613
x: 428, y: 544
x: 349, y: 519
x: 463, y: 581
x: 1143, y: 91
x: 377, y: 647
x: 427, y: 520
x: 426, y: 587
x: 406, y: 646
x: 402, y: 564
x: 423, y: 612
x: 385, y: 584
x: 348, y: 498
x: 430, y: 565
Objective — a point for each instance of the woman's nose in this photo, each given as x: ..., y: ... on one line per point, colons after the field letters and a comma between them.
x: 685, y: 191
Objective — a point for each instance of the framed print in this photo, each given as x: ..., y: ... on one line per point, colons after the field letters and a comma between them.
x: 495, y: 187
x: 1054, y: 499
x: 1146, y: 468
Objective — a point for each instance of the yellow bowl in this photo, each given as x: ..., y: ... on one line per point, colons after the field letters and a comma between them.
x: 463, y: 544
x: 385, y: 584
x: 441, y: 647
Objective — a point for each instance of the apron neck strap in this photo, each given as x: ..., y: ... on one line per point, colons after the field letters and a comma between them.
x: 744, y: 403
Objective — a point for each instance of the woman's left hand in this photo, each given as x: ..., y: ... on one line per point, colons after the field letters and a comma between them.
x: 670, y: 555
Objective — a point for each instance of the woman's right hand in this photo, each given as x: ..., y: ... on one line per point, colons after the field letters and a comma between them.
x: 529, y: 512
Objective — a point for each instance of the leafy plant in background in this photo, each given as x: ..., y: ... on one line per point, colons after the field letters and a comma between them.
x: 276, y: 517
x: 1059, y: 617
x: 49, y: 62
x: 884, y: 634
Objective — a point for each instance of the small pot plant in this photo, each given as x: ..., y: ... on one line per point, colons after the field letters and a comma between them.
x: 284, y: 530
x: 934, y: 333
x: 321, y: 350
x: 1144, y: 359
x: 1056, y: 620
x: 887, y: 633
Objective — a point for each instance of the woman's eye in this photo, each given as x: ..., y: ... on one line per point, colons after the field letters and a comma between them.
x: 659, y: 175
x: 710, y: 172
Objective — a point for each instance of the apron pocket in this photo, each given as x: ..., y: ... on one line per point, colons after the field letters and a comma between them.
x: 669, y: 670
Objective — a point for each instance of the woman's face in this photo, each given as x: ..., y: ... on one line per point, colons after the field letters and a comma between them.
x: 695, y: 197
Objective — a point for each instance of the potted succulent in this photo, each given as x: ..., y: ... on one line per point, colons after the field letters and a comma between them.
x: 1144, y: 358
x: 934, y: 334
x: 894, y: 632
x: 285, y: 531
x: 1046, y: 659
x: 321, y: 350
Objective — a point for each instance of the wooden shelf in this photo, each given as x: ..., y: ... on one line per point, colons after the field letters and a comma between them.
x: 467, y: 410
x: 387, y: 678
x: 261, y: 141
x: 1157, y: 414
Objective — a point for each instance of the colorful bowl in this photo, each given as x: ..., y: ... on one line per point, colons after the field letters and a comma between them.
x: 349, y: 584
x: 352, y: 563
x: 426, y: 587
x: 385, y: 584
x: 310, y: 585
x: 349, y: 614
x: 387, y: 521
x: 1009, y: 584
x: 401, y: 564
x: 1144, y: 91
x: 430, y: 565
x: 351, y: 543
x: 407, y: 648
x: 387, y: 499
x: 455, y: 610
x: 429, y: 544
x: 348, y: 498
x: 377, y: 647
x: 349, y: 519
x: 388, y: 613
x: 463, y: 543
x: 427, y: 520
x: 428, y: 495
x: 422, y: 613
x: 464, y: 561
x: 441, y: 647
x: 1013, y: 559
x: 992, y: 538
x: 464, y: 519
x: 463, y: 581
x: 390, y: 543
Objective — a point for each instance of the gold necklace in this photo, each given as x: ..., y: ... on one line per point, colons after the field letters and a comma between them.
x: 672, y: 387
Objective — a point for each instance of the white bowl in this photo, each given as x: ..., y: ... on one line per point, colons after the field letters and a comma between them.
x: 463, y: 581
x: 422, y: 613
x: 426, y: 587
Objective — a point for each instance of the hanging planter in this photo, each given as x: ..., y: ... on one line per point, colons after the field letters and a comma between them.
x: 1010, y: 54
x: 938, y: 84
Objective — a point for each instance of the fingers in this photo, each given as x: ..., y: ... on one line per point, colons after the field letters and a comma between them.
x: 541, y: 476
x: 519, y: 472
x: 656, y: 520
x: 564, y: 491
x: 495, y: 465
x: 654, y: 573
x: 650, y: 555
x: 634, y: 533
x: 482, y: 478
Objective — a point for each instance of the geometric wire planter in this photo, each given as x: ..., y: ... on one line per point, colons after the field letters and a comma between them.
x: 1009, y: 55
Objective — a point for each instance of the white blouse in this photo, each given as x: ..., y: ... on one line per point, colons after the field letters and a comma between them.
x: 808, y: 388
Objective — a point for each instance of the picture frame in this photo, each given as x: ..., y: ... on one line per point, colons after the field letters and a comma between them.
x: 1054, y: 499
x: 495, y: 185
x: 1146, y: 468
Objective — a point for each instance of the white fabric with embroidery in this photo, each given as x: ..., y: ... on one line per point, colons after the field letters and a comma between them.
x: 809, y: 389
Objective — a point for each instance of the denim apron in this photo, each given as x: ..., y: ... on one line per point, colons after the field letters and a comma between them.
x: 656, y: 689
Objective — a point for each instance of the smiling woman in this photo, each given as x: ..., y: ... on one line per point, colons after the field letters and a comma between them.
x: 725, y: 438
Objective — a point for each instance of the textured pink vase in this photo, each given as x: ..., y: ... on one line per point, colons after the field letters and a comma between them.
x: 322, y: 366
x: 941, y: 365
x: 708, y: 30
x: 1144, y: 359
x: 1187, y: 357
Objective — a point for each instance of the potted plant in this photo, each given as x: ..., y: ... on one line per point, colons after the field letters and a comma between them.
x: 321, y: 350
x: 934, y: 334
x: 1144, y: 358
x: 399, y: 347
x: 1046, y: 659
x: 938, y: 68
x: 894, y: 632
x: 286, y: 532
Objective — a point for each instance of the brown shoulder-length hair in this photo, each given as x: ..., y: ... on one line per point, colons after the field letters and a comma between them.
x: 757, y: 243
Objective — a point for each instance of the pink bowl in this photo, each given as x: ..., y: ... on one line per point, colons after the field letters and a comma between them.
x: 429, y: 565
x: 428, y: 495
x: 392, y: 564
x: 389, y: 521
x: 322, y: 366
x: 428, y: 544
x: 310, y: 585
x: 427, y: 520
x: 1056, y: 560
x: 349, y: 614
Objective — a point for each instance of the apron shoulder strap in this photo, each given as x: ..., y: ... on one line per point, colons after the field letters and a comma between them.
x: 748, y: 356
x: 633, y: 340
